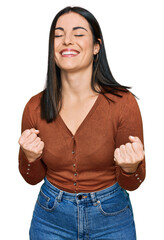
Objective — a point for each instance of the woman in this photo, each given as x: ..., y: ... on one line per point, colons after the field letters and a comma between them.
x: 83, y: 135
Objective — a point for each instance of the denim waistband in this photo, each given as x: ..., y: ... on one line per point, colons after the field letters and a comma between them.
x: 91, y: 196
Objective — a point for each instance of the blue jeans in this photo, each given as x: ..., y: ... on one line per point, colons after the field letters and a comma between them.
x: 59, y: 215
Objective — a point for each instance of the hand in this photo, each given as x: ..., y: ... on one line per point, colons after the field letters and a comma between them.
x: 129, y: 156
x: 31, y: 144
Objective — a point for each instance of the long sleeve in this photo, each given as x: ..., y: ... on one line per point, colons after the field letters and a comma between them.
x: 130, y: 124
x: 84, y: 162
x: 33, y: 172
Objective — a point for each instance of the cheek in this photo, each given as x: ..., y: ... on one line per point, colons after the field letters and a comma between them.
x: 55, y: 56
x: 56, y: 52
x: 56, y: 45
x: 88, y: 48
x: 88, y: 44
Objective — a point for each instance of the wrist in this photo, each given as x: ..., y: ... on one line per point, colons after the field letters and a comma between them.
x: 31, y: 159
x: 129, y: 170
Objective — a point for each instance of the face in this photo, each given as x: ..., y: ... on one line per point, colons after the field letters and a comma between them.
x: 73, y: 43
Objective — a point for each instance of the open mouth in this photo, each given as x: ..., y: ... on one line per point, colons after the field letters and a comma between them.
x: 69, y: 53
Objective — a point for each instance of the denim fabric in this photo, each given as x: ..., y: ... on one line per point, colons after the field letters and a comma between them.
x: 59, y: 215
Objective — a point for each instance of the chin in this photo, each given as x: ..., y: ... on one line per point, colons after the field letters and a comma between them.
x: 69, y: 68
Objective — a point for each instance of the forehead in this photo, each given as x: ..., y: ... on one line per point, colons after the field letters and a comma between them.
x: 72, y: 20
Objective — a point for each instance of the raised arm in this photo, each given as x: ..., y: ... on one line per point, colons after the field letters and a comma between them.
x: 31, y: 165
x: 129, y: 153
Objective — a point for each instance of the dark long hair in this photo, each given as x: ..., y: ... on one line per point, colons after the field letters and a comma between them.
x: 51, y: 101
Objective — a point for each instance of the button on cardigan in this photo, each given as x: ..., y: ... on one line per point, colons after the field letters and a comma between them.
x: 84, y: 162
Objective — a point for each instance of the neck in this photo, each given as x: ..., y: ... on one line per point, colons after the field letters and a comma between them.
x: 76, y: 85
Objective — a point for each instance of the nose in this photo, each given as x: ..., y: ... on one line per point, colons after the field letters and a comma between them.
x: 67, y: 40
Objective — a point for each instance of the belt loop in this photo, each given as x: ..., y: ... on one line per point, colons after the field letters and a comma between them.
x: 94, y: 199
x: 59, y: 197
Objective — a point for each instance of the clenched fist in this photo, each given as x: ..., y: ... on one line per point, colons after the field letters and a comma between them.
x: 31, y: 144
x: 129, y: 156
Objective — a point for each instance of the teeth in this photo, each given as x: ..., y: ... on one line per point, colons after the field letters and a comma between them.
x: 69, y: 53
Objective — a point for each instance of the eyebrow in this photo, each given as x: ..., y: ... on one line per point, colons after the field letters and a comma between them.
x: 75, y: 28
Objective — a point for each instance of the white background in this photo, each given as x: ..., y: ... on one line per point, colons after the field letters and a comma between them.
x: 134, y: 40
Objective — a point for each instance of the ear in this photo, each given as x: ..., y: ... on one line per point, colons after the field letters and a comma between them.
x: 97, y: 47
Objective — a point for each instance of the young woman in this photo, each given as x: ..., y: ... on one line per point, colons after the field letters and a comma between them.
x: 83, y: 135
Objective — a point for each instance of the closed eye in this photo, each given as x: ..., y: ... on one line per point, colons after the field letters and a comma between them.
x: 57, y: 36
x: 76, y: 35
x: 79, y: 35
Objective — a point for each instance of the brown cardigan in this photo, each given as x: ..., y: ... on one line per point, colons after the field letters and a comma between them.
x: 84, y: 162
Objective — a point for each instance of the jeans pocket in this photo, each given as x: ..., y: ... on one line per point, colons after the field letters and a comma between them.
x: 112, y: 206
x: 47, y: 200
